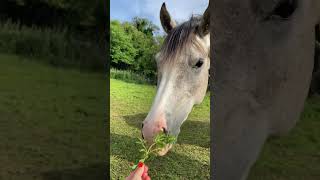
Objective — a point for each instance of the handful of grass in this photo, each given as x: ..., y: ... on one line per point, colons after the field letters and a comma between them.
x: 148, y: 152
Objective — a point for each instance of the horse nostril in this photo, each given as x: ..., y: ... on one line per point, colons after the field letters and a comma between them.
x: 165, y: 131
x: 142, y: 125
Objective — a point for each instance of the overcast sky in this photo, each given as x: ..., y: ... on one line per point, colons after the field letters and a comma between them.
x: 180, y: 10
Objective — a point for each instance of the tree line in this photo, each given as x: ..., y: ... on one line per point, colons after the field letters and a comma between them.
x: 63, y: 32
x: 133, y: 46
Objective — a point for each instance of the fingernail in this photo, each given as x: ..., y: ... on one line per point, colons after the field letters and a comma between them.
x: 140, y: 164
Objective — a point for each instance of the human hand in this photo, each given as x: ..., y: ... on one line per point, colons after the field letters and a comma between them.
x: 140, y: 173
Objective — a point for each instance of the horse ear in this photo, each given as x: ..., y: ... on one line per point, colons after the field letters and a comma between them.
x: 204, y: 27
x: 167, y: 23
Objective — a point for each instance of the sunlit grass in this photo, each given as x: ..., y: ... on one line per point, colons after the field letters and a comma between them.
x: 189, y: 158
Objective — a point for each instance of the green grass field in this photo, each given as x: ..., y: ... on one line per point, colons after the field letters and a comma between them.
x: 189, y: 158
x: 52, y: 127
x: 52, y: 122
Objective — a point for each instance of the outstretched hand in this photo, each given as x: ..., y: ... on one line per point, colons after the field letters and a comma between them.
x: 140, y: 173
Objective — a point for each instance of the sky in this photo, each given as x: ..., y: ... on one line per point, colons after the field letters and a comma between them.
x: 180, y: 10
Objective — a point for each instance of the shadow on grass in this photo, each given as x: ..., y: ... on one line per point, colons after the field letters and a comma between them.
x: 170, y: 166
x: 94, y: 171
x: 192, y: 132
x: 135, y: 120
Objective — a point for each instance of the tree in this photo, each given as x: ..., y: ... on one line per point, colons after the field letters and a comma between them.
x: 143, y: 43
x: 122, y: 51
x: 146, y: 46
x: 145, y: 26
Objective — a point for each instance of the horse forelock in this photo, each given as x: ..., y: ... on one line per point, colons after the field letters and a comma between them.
x: 181, y: 37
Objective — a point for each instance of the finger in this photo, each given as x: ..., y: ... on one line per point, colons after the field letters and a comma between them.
x: 145, y: 169
x: 130, y: 176
x: 144, y: 175
x: 138, y: 172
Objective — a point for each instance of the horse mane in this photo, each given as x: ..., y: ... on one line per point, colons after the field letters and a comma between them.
x: 180, y: 37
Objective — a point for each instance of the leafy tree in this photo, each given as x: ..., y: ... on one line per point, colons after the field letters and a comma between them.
x: 145, y: 44
x: 145, y: 26
x: 122, y: 51
x: 71, y: 13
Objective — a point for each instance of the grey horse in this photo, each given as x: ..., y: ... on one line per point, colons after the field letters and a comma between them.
x: 262, y: 61
x: 183, y: 70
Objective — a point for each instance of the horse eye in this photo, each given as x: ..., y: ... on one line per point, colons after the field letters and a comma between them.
x: 284, y: 9
x: 199, y: 63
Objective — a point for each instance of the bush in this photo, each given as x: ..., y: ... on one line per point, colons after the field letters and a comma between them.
x: 133, y: 46
x: 131, y: 77
x: 55, y: 46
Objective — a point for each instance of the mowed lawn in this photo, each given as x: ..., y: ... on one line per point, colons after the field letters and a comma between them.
x: 189, y: 158
x: 52, y: 122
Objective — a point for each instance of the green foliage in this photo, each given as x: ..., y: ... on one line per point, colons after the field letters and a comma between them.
x: 131, y: 77
x: 54, y: 46
x: 83, y: 12
x: 85, y: 20
x: 145, y: 26
x: 133, y: 46
x: 122, y: 50
x: 160, y: 142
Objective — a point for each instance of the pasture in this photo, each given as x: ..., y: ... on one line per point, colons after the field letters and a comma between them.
x: 52, y: 127
x: 52, y: 121
x: 292, y: 157
x: 189, y: 158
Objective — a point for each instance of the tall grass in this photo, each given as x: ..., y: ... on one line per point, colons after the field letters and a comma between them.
x: 55, y: 46
x: 131, y: 77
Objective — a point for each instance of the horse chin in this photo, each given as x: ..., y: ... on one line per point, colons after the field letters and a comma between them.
x: 165, y: 150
